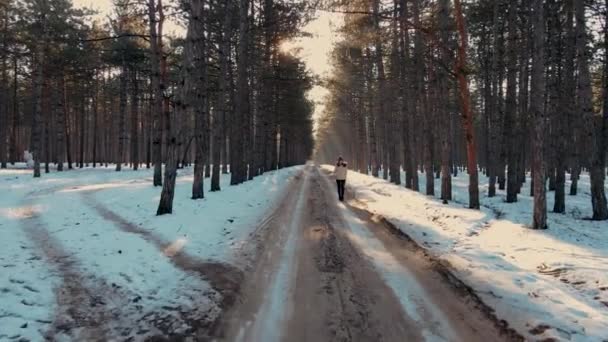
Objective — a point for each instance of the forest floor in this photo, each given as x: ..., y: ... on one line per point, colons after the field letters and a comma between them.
x: 83, y: 257
x: 279, y: 258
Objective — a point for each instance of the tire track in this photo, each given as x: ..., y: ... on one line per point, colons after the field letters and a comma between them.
x: 467, y: 317
x: 88, y: 308
x: 223, y: 278
x: 329, y: 293
x: 272, y: 235
x: 86, y: 305
x: 338, y: 292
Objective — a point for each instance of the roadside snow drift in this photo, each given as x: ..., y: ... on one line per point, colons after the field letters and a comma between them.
x: 546, y: 284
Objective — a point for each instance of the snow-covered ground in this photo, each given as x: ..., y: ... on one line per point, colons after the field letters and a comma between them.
x: 546, y: 284
x: 87, y: 242
x: 77, y: 233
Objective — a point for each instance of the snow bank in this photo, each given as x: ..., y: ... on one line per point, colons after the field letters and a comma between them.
x: 212, y: 228
x: 546, y: 284
x: 69, y: 207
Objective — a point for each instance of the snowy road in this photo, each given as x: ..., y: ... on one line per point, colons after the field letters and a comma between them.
x: 275, y: 259
x: 328, y: 272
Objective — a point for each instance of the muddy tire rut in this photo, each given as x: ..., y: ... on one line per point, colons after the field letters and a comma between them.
x: 337, y: 293
x: 85, y: 304
x: 225, y: 279
x: 332, y: 291
x: 90, y: 308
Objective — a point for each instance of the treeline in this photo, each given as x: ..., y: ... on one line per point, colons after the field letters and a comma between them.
x: 83, y: 92
x: 503, y: 87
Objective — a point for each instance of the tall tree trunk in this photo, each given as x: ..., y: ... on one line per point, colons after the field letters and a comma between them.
x: 164, y: 70
x: 82, y: 130
x: 59, y: 114
x: 494, y: 105
x: 122, y: 112
x: 446, y: 146
x: 95, y: 118
x: 509, y: 142
x: 379, y: 105
x: 428, y: 110
x: 47, y: 129
x: 108, y: 134
x: 429, y: 139
x: 372, y: 117
x: 420, y: 102
x: 467, y: 113
x: 38, y: 85
x: 411, y: 178
x: 173, y: 136
x: 566, y: 107
x: 15, y: 113
x: 395, y: 113
x: 253, y: 106
x: 209, y: 137
x: 47, y: 139
x: 67, y: 123
x: 165, y: 205
x: 134, y: 120
x: 524, y: 131
x: 149, y: 128
x: 537, y: 95
x: 240, y: 122
x: 264, y: 76
x: 222, y: 102
x: 576, y: 135
x: 158, y: 90
x: 603, y: 134
x: 596, y: 158
x: 200, y: 103
x: 4, y: 98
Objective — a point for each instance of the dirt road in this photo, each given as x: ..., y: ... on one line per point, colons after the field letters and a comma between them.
x: 328, y: 272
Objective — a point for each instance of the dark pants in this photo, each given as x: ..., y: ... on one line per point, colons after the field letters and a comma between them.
x: 341, y: 184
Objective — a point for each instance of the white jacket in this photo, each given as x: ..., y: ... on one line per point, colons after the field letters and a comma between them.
x: 340, y: 172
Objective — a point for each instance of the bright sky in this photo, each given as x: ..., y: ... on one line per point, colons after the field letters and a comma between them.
x: 314, y: 50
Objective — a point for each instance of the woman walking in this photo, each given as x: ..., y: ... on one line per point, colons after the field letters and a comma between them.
x: 340, y: 171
